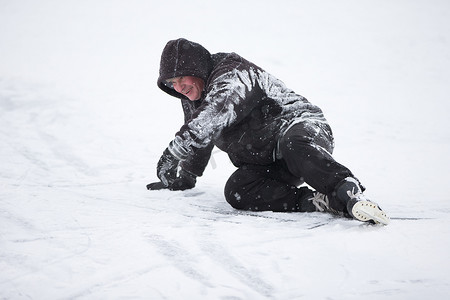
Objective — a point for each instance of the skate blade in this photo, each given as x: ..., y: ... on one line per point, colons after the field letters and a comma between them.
x: 368, y: 211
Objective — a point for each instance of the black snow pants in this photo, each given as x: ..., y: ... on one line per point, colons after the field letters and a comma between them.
x: 304, y: 156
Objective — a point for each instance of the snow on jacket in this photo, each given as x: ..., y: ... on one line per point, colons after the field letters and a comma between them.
x: 243, y: 109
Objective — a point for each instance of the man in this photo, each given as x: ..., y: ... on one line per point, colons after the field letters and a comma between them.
x: 276, y: 138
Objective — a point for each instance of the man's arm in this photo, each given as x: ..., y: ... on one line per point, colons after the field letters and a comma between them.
x: 228, y: 101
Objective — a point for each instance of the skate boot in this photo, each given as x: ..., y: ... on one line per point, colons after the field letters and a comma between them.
x: 312, y: 201
x: 358, y: 206
x: 322, y: 204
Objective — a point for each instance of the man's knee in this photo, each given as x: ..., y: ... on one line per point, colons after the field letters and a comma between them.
x: 235, y: 188
x: 259, y: 188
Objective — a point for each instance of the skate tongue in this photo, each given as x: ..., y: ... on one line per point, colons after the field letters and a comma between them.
x: 368, y: 211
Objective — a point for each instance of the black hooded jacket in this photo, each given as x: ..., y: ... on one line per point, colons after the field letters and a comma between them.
x: 243, y: 109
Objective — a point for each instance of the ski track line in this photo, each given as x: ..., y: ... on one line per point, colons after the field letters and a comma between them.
x: 113, y: 281
x: 220, y: 255
x: 62, y: 152
x: 179, y: 257
x: 53, y: 240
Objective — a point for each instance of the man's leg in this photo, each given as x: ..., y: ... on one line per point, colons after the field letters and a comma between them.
x: 306, y: 150
x: 267, y: 188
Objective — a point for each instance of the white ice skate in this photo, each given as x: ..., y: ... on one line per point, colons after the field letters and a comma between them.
x: 366, y: 210
x: 358, y: 206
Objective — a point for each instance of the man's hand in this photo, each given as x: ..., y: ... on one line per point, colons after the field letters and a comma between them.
x: 185, y: 181
x: 166, y: 169
x: 156, y: 186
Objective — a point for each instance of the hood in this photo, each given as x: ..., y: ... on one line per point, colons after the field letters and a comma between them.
x: 183, y: 58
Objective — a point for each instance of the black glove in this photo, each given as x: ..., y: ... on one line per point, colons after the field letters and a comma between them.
x: 156, y: 186
x: 166, y: 169
x: 185, y: 181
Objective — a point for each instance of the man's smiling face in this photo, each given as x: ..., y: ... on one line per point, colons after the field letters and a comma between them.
x: 189, y: 86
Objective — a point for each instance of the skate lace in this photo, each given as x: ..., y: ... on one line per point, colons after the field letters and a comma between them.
x: 355, y: 195
x: 321, y: 202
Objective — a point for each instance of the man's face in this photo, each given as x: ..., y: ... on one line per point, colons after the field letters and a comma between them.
x: 189, y: 86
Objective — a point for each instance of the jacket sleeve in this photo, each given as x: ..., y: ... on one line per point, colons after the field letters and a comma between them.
x: 226, y: 102
x: 196, y: 162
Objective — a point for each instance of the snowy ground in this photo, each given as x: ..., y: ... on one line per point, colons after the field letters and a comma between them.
x: 82, y: 125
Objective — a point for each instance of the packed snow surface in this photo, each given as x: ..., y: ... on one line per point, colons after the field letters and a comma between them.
x: 82, y: 125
